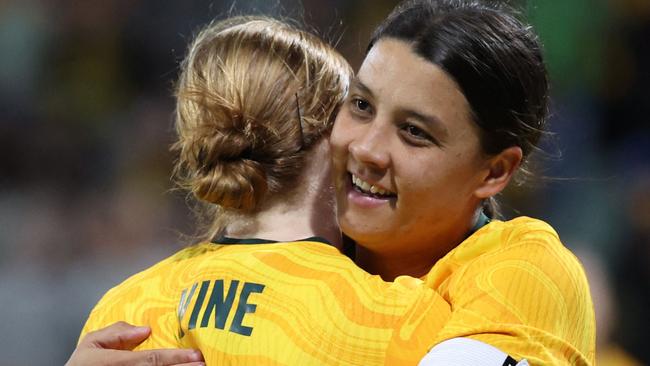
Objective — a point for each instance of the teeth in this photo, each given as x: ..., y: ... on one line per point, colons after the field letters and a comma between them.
x: 366, y: 187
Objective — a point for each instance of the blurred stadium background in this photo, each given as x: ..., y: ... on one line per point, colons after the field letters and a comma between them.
x: 86, y: 121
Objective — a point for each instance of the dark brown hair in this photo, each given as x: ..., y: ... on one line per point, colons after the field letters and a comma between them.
x: 495, y: 59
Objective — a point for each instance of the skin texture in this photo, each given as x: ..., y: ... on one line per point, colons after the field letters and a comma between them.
x: 406, y: 128
x: 112, y: 346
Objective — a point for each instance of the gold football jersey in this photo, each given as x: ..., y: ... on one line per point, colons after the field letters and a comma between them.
x: 266, y: 303
x: 513, y: 285
x: 253, y: 302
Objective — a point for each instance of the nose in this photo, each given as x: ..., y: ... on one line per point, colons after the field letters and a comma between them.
x: 371, y: 147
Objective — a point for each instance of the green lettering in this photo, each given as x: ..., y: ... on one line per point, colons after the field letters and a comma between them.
x: 182, y: 307
x: 243, y: 308
x: 199, y: 303
x: 222, y: 305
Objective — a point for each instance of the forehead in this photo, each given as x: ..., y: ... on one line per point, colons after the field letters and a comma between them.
x: 399, y: 78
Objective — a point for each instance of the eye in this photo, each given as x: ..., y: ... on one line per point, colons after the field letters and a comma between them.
x: 360, y: 106
x: 415, y: 131
x: 416, y: 136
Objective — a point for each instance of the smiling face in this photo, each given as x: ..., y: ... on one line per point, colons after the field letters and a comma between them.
x: 407, y: 160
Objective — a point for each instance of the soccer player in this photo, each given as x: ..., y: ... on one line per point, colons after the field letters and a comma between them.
x: 448, y: 103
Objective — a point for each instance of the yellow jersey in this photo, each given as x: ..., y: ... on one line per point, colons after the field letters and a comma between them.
x: 269, y: 303
x: 511, y: 285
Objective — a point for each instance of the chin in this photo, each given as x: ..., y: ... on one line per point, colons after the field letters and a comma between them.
x: 359, y: 232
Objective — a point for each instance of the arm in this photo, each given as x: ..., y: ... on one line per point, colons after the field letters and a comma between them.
x: 146, y: 298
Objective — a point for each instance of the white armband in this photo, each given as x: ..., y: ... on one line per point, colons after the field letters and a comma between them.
x: 466, y: 352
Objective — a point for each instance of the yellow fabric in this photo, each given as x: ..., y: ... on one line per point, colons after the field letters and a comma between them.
x: 316, y: 307
x: 514, y: 286
x: 511, y: 284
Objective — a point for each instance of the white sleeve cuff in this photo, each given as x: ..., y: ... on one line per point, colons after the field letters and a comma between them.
x: 467, y: 351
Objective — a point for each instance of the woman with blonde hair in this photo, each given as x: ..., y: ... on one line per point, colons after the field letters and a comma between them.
x: 256, y: 101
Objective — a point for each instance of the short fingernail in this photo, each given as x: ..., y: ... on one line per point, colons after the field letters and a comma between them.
x: 197, y: 356
x: 140, y: 330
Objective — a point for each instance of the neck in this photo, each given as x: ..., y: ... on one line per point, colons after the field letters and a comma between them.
x: 375, y: 259
x: 389, y: 266
x: 288, y: 223
x: 306, y: 211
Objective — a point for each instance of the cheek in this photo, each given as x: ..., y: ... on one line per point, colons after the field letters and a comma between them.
x: 336, y: 141
x: 432, y: 181
x: 339, y: 141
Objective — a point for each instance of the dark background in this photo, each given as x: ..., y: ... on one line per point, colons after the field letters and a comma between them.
x: 86, y: 122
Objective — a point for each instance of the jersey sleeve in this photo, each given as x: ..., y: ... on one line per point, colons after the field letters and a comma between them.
x: 143, y: 299
x: 530, y: 299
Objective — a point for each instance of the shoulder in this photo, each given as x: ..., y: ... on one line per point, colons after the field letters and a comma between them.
x: 523, y: 245
x: 130, y: 299
x: 521, y: 239
x: 522, y: 280
x: 524, y: 229
x: 159, y: 271
x: 526, y: 256
x: 536, y: 245
x: 518, y: 231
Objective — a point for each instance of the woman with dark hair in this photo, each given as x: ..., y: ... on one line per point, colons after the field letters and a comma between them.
x: 448, y: 104
x: 481, y: 58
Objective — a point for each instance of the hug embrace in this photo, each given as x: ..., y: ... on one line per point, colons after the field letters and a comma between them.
x: 352, y: 217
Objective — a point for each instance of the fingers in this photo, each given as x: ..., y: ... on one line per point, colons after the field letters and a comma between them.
x: 160, y: 357
x: 163, y: 357
x: 119, y: 336
x: 111, y: 346
x: 107, y: 357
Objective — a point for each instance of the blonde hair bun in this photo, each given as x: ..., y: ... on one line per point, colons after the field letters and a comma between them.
x: 225, y: 172
x: 254, y: 94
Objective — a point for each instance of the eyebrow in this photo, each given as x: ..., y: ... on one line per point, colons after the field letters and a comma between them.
x: 357, y: 83
x: 431, y: 121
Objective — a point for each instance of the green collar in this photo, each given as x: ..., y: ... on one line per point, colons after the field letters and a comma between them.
x: 233, y: 241
x: 480, y: 222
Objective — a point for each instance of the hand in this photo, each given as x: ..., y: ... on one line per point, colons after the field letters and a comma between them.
x: 113, y: 345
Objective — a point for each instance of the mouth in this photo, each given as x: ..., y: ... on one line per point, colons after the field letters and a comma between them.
x: 370, y: 190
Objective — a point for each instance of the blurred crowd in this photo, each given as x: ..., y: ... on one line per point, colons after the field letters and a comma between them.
x: 86, y: 102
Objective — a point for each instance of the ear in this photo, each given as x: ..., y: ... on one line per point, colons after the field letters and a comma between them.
x: 500, y: 169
